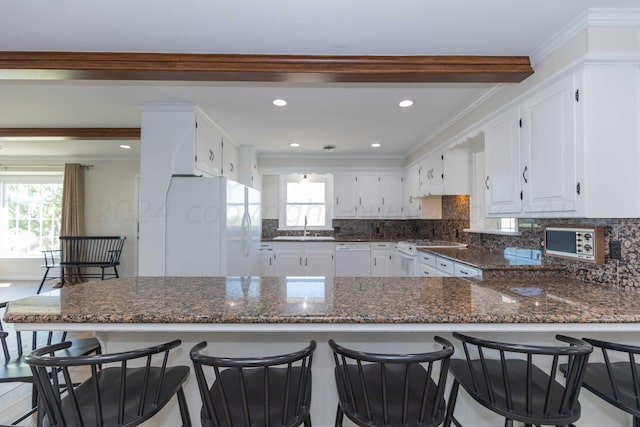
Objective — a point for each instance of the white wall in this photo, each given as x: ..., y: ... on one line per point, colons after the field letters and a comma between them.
x: 110, y: 209
x: 111, y: 206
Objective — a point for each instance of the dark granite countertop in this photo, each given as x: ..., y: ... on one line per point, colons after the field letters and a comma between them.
x: 508, y: 259
x: 345, y: 300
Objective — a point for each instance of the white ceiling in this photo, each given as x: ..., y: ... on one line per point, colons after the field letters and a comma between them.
x: 350, y: 116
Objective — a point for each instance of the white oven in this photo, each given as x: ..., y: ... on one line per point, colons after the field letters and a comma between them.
x: 407, y: 258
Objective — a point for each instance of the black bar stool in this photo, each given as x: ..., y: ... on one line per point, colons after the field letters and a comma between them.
x: 504, y: 379
x: 14, y: 369
x: 616, y: 380
x: 266, y: 391
x: 114, y: 394
x: 391, y: 389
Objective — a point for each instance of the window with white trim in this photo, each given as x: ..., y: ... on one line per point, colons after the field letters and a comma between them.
x: 30, y: 212
x: 305, y: 201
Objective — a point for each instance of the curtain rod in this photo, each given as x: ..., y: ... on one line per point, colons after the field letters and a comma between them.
x: 34, y: 166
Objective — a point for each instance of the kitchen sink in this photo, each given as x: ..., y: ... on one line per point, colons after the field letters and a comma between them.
x: 304, y: 238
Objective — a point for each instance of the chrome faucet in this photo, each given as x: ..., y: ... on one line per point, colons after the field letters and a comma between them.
x: 305, y: 231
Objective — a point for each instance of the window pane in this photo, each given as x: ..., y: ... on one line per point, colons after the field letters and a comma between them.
x: 30, y: 218
x: 310, y: 192
x: 315, y: 215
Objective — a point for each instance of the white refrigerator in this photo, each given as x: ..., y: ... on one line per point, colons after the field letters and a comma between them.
x: 213, y: 228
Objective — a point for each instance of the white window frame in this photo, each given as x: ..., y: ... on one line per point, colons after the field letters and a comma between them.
x: 327, y: 179
x: 26, y: 177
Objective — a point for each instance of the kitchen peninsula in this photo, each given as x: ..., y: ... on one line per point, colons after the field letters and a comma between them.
x: 242, y: 316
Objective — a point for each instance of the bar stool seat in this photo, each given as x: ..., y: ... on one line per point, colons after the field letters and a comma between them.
x: 391, y: 389
x: 503, y: 378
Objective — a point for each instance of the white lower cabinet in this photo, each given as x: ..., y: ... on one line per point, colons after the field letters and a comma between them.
x: 382, y: 259
x: 463, y: 270
x: 267, y: 260
x: 436, y: 266
x: 304, y: 259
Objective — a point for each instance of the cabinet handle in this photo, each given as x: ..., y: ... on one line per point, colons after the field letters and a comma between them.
x: 464, y: 272
x: 486, y: 182
x: 375, y: 261
x: 360, y: 201
x: 300, y: 260
x: 231, y: 167
x: 306, y: 261
x: 383, y: 201
x: 337, y: 201
x: 524, y: 176
x: 443, y: 264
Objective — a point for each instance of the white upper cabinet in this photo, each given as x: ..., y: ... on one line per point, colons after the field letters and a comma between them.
x: 502, y: 164
x: 367, y: 195
x: 344, y: 195
x: 390, y: 194
x: 230, y: 160
x: 208, y: 146
x: 431, y: 174
x: 411, y: 191
x: 548, y: 150
x: 572, y: 152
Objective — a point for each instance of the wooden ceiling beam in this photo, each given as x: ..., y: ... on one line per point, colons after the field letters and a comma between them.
x: 71, y: 133
x: 263, y: 68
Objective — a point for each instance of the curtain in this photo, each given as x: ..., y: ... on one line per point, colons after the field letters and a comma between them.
x: 72, y: 212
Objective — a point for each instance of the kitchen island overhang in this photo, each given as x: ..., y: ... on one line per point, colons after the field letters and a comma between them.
x: 266, y: 316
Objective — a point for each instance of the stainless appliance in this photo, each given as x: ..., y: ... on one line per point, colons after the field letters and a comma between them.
x: 574, y: 242
x: 353, y: 259
x: 213, y: 228
x: 407, y: 254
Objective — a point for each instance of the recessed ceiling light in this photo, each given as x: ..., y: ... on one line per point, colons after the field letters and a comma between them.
x: 279, y: 102
x: 375, y: 145
x: 405, y: 103
x: 125, y: 146
x: 294, y: 144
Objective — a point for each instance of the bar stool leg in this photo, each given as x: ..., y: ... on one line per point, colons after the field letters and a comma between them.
x: 451, y: 404
x: 339, y: 415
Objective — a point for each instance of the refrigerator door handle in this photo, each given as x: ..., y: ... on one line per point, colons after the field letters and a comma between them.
x: 245, y: 228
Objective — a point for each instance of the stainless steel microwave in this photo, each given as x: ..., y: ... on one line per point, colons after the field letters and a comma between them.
x: 574, y: 242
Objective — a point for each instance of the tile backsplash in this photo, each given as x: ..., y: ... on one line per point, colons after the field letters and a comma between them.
x: 624, y: 272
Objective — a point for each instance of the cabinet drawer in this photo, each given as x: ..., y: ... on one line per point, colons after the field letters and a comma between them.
x: 428, y: 271
x: 445, y: 265
x: 463, y: 270
x: 427, y: 259
x: 382, y: 245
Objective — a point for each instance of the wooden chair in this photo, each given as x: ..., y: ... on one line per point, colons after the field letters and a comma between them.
x: 265, y: 391
x: 114, y: 394
x: 390, y: 390
x: 15, y: 369
x: 504, y: 379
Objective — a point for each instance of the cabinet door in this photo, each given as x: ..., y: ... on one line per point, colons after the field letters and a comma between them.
x: 410, y: 192
x: 319, y: 263
x: 456, y: 171
x: 381, y: 263
x: 208, y: 147
x: 267, y: 264
x: 344, y: 195
x: 431, y: 174
x: 390, y: 195
x: 289, y: 263
x: 502, y: 160
x: 548, y: 167
x: 230, y: 158
x: 367, y: 195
